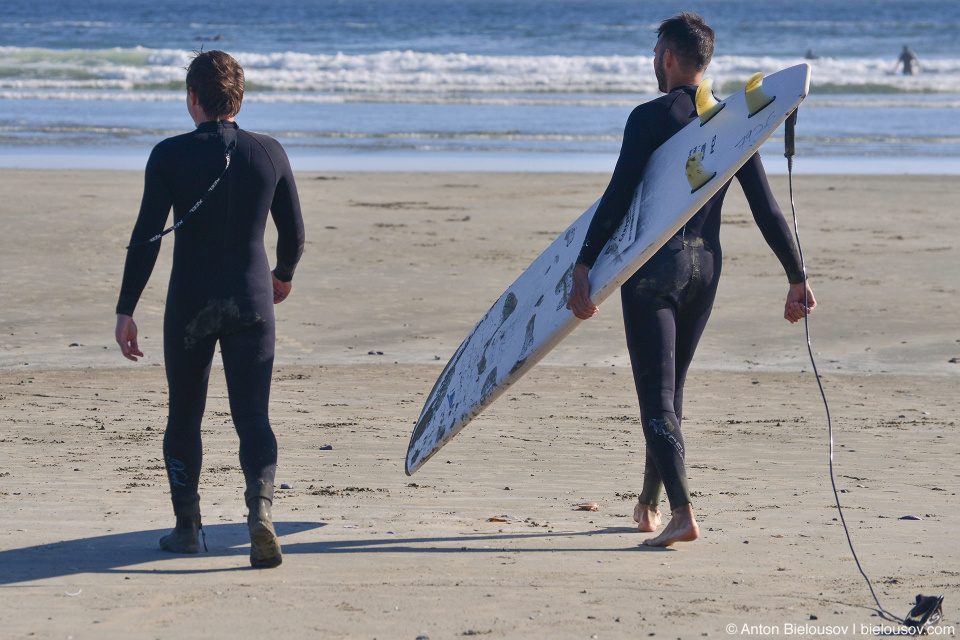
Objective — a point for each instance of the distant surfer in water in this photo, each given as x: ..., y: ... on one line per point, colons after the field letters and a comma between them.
x: 907, y: 58
x: 221, y: 290
x: 666, y: 304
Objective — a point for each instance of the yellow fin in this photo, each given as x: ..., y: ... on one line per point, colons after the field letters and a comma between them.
x: 757, y: 98
x: 707, y: 105
x: 697, y: 175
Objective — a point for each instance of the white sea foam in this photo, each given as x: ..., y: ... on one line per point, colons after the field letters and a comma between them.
x: 559, y: 100
x: 397, y: 72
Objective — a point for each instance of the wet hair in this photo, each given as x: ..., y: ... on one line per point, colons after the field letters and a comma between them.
x: 217, y: 81
x: 689, y: 38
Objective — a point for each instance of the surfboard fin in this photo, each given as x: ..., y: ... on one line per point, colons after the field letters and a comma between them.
x: 757, y: 98
x: 707, y: 105
x: 697, y: 175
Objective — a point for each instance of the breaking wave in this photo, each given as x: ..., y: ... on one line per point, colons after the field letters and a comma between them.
x: 109, y: 73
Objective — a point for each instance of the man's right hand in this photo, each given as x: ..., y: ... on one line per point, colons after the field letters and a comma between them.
x: 281, y: 290
x: 126, y: 335
x: 579, y: 301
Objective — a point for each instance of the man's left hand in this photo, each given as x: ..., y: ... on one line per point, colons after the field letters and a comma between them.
x: 794, y: 310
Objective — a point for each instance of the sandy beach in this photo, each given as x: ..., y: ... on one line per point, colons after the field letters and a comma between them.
x: 485, y: 540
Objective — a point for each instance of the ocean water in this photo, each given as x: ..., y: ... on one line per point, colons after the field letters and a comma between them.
x: 466, y: 84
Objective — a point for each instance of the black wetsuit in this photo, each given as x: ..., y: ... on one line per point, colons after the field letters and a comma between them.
x: 908, y: 58
x: 666, y: 304
x: 220, y: 287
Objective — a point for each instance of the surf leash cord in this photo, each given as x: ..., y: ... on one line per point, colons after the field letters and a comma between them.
x: 789, y: 151
x: 174, y: 227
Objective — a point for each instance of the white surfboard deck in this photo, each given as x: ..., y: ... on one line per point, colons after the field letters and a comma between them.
x: 531, y: 317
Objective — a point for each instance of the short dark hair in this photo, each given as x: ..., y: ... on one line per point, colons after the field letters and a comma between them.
x: 689, y: 38
x: 217, y: 81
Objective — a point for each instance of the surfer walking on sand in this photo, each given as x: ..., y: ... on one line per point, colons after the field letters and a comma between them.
x: 667, y: 302
x: 221, y: 290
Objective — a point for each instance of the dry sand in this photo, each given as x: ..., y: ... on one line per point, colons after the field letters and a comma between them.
x: 397, y: 269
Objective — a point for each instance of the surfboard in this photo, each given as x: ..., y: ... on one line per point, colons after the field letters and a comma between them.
x: 531, y: 317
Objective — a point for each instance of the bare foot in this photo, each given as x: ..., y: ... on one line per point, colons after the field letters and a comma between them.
x: 648, y: 516
x: 681, y: 528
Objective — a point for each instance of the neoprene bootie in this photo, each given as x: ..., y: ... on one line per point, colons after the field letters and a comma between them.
x: 185, y: 537
x: 265, y: 550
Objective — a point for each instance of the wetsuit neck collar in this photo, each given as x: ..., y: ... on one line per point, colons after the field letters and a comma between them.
x: 214, y: 125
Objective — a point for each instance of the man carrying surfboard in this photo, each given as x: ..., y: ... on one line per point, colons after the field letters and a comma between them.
x: 222, y: 182
x: 667, y: 302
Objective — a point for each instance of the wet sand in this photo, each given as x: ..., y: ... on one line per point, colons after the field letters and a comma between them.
x: 397, y: 269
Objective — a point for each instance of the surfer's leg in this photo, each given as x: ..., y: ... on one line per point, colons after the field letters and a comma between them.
x: 649, y: 309
x: 650, y: 494
x: 654, y: 376
x: 647, y: 511
x: 188, y: 372
x: 248, y: 366
x: 651, y: 339
x: 693, y: 311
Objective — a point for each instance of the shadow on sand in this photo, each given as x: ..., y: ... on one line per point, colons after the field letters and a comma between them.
x: 124, y: 552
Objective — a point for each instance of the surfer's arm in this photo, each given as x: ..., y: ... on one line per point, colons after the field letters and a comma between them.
x: 154, y: 209
x: 285, y: 210
x: 634, y: 152
x: 776, y: 232
x: 769, y: 218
